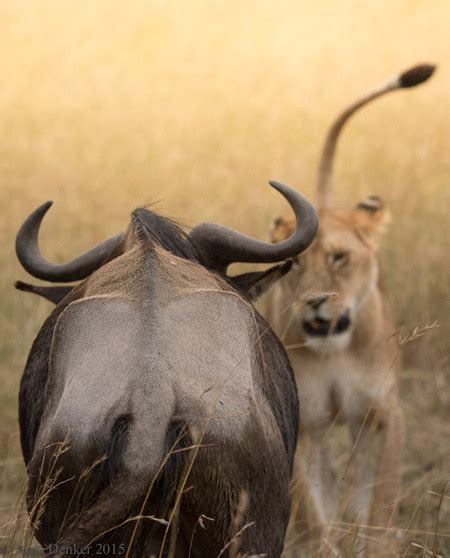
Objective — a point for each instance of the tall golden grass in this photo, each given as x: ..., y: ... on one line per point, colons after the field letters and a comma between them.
x: 106, y: 106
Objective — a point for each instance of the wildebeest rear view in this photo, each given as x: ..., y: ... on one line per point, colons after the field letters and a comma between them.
x: 158, y: 411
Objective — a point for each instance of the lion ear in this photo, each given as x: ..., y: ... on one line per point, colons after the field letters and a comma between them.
x: 372, y: 218
x: 280, y: 229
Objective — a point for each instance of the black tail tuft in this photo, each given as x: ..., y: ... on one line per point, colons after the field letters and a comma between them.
x: 416, y: 75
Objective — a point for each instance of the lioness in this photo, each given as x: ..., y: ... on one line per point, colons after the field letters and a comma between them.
x: 332, y: 315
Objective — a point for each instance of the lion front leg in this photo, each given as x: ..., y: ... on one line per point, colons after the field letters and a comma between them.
x: 377, y: 447
x: 388, y: 475
x: 313, y: 491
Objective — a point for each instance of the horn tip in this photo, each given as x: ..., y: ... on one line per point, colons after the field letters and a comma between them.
x: 277, y: 185
x: 43, y: 208
x: 416, y: 75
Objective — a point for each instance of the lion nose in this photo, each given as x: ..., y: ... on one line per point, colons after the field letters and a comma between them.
x: 316, y: 301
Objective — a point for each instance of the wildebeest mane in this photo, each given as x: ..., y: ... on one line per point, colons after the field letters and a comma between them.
x: 156, y: 229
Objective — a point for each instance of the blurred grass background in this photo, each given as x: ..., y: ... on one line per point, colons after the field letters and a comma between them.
x: 106, y: 106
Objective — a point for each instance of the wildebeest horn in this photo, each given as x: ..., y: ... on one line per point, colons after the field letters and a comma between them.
x: 220, y: 246
x: 27, y: 250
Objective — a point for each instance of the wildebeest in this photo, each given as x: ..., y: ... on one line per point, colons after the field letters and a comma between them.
x: 158, y: 411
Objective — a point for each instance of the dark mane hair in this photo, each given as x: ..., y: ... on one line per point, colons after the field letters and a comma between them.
x: 164, y: 232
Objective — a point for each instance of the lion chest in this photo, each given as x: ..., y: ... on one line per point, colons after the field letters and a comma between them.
x: 339, y: 388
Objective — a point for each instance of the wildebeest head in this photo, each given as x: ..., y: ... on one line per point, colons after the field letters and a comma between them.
x: 214, y: 246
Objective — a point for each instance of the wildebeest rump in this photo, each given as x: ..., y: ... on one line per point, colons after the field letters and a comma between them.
x: 155, y: 393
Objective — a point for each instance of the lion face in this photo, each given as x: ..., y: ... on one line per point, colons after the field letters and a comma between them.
x: 330, y: 283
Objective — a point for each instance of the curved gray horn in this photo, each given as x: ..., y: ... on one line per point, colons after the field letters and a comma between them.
x: 220, y: 246
x: 30, y: 257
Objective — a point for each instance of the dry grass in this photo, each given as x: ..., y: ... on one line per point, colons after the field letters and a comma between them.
x: 106, y: 107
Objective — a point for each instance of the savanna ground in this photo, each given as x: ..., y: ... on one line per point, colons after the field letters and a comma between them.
x: 106, y: 106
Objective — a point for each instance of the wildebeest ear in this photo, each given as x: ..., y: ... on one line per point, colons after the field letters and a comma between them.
x: 371, y: 218
x: 256, y: 283
x: 281, y: 228
x: 53, y: 294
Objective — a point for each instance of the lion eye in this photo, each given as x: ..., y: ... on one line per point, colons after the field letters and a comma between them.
x: 338, y: 258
